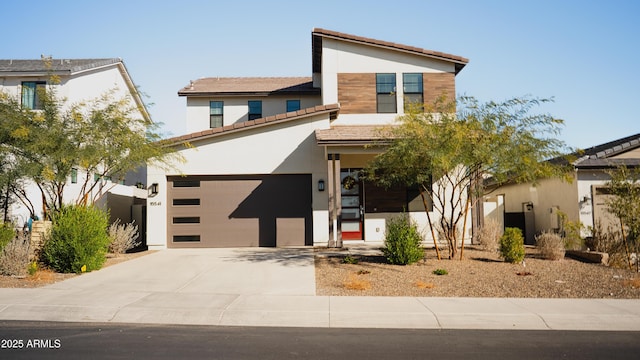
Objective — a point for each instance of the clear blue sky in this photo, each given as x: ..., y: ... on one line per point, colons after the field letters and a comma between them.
x: 583, y: 53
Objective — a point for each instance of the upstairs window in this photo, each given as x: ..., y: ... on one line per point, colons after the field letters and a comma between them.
x: 413, y: 93
x: 216, y: 114
x: 293, y: 105
x: 386, y: 93
x: 31, y: 94
x: 255, y: 109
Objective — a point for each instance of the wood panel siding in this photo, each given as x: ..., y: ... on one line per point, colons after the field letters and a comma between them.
x: 437, y: 84
x: 357, y: 93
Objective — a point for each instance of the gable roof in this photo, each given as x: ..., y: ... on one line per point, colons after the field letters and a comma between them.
x: 600, y: 156
x: 58, y: 66
x: 331, y: 109
x: 259, y: 86
x: 318, y: 34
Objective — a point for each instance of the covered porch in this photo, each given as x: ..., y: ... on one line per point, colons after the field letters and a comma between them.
x: 358, y: 209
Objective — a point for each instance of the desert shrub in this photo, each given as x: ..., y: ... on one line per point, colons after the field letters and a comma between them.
x: 6, y: 234
x: 123, y: 237
x: 571, y: 232
x: 349, y: 259
x: 440, y: 272
x: 356, y: 283
x: 488, y: 235
x: 608, y: 241
x: 512, y: 245
x: 78, y: 240
x: 14, y: 257
x: 402, y: 241
x: 551, y: 246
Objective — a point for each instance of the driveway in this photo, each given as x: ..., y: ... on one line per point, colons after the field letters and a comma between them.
x: 236, y: 271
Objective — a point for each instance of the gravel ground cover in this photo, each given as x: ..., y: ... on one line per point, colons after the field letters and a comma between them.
x: 479, y: 274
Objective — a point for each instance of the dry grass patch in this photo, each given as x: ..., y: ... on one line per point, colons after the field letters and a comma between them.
x: 424, y: 285
x: 632, y: 283
x: 356, y: 283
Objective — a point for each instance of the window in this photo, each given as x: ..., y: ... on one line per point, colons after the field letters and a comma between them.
x: 386, y: 93
x: 413, y: 95
x: 31, y: 94
x: 186, y: 238
x: 186, y: 183
x: 255, y: 109
x: 74, y: 176
x: 216, y: 114
x: 186, y: 220
x: 293, y: 105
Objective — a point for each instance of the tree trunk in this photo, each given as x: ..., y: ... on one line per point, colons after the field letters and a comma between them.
x: 433, y: 235
x: 464, y: 227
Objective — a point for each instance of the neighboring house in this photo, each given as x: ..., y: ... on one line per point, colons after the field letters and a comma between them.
x: 536, y: 208
x: 275, y: 161
x: 79, y: 80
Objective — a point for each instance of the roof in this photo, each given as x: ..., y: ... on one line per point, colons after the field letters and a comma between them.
x: 20, y: 67
x: 331, y: 109
x: 249, y: 86
x: 350, y: 135
x: 318, y: 34
x: 600, y: 156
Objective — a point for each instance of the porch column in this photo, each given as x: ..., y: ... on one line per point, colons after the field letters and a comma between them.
x: 335, y: 200
x: 332, y: 202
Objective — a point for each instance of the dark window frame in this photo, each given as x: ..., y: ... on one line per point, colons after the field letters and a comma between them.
x: 253, y: 112
x: 290, y: 106
x: 386, y: 98
x: 32, y: 101
x: 216, y: 119
x: 413, y: 92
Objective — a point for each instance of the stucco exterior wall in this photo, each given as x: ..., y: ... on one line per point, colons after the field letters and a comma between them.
x: 236, y: 108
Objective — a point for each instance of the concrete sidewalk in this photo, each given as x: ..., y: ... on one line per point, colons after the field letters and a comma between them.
x: 276, y: 287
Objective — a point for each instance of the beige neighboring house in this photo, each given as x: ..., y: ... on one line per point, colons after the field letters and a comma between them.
x: 275, y: 161
x: 79, y: 80
x: 536, y: 208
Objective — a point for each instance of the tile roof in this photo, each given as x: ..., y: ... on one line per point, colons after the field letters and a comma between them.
x: 350, y: 135
x: 57, y: 65
x: 319, y: 33
x: 249, y: 85
x: 600, y: 155
x: 251, y: 124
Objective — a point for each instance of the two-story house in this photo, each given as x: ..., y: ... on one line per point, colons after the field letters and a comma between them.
x: 275, y: 161
x: 78, y: 80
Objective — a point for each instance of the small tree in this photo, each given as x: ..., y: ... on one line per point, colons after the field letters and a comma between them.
x: 106, y: 137
x: 625, y: 206
x: 448, y: 154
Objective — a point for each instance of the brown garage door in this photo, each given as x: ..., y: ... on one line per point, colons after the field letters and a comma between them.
x: 237, y: 211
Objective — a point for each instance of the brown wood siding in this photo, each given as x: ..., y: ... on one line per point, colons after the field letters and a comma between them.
x: 437, y: 84
x: 357, y: 93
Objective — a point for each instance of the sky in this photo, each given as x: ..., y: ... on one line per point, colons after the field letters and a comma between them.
x: 580, y: 53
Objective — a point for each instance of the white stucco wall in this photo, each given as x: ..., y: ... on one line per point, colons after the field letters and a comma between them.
x: 237, y: 109
x: 77, y: 88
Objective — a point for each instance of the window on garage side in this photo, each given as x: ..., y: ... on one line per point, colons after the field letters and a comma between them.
x: 255, y: 109
x: 186, y: 219
x: 216, y: 114
x: 32, y: 92
x: 413, y: 92
x: 386, y: 93
x: 186, y: 202
x: 293, y: 105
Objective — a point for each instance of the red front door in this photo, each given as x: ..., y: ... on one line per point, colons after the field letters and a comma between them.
x: 352, y: 209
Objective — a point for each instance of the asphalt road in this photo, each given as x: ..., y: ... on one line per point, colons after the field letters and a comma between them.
x: 49, y: 340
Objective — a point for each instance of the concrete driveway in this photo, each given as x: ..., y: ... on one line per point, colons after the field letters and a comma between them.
x: 237, y: 271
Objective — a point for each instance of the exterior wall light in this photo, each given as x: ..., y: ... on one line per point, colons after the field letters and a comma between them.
x: 320, y: 185
x: 153, y: 189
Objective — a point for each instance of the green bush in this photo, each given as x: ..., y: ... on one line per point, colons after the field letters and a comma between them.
x: 402, y: 242
x: 440, y: 272
x: 6, y: 234
x: 78, y: 239
x: 512, y: 245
